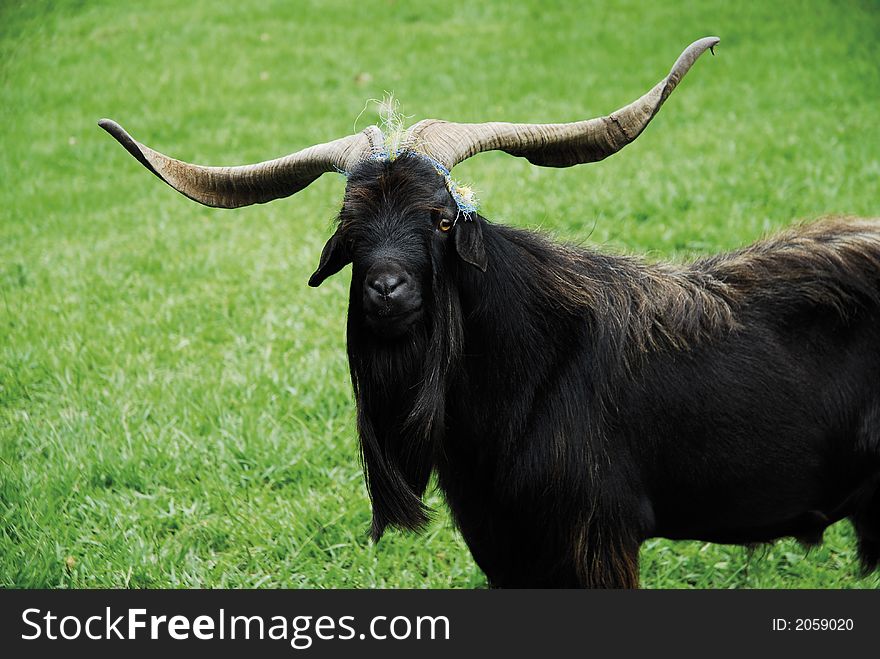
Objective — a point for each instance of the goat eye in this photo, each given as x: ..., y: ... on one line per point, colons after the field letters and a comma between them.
x: 445, y: 224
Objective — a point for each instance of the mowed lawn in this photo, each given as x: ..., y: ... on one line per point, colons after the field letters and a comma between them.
x: 175, y: 408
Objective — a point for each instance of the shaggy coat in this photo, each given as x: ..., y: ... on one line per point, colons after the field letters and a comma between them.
x: 574, y: 403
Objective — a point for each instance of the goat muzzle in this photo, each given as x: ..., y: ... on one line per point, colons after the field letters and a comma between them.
x: 392, y: 301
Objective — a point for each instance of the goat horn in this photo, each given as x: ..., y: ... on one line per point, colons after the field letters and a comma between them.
x: 233, y: 187
x: 553, y: 145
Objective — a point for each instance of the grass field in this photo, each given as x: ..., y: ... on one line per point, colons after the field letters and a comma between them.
x: 174, y: 400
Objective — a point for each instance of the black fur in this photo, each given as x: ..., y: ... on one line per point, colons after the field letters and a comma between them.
x: 574, y: 403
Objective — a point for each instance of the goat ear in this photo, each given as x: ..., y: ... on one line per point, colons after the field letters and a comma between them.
x: 469, y: 243
x: 334, y: 257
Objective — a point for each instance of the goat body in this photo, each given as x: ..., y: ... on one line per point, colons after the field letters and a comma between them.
x: 600, y: 401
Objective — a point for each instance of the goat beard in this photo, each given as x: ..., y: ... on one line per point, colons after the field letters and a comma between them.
x: 400, y: 389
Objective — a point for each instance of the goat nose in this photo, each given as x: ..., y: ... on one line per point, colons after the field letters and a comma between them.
x: 385, y: 283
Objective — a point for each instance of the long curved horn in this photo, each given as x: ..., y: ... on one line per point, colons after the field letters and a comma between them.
x: 233, y: 187
x: 553, y: 145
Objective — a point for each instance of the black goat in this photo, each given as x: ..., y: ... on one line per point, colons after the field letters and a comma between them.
x: 574, y: 403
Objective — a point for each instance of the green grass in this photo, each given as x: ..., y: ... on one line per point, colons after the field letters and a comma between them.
x: 174, y: 400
